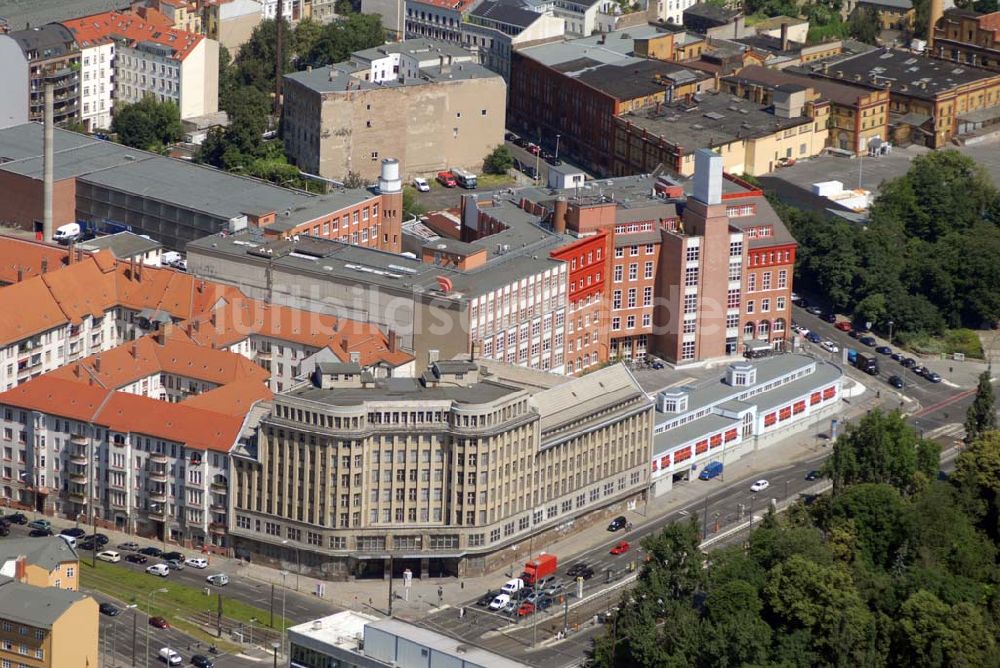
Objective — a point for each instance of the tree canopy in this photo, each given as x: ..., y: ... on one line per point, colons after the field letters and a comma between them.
x: 896, y: 568
x: 148, y: 124
x: 926, y: 260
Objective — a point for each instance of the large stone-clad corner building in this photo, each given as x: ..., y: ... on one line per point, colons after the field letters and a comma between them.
x: 441, y: 473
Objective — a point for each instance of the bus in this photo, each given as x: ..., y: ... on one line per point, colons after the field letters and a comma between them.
x: 464, y: 178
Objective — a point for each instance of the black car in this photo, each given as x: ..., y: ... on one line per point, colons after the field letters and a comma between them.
x: 87, y: 544
x: 554, y: 161
x: 109, y: 610
x: 883, y: 350
x: 136, y: 558
x: 75, y: 533
x: 487, y: 598
x: 814, y: 337
x: 586, y: 573
x: 99, y: 538
x: 38, y: 533
x: 173, y: 556
x: 896, y: 382
x: 813, y: 475
x: 617, y: 523
x: 933, y: 376
x: 16, y: 518
x: 909, y: 362
x: 201, y: 661
x: 897, y: 356
x: 543, y: 602
x: 576, y: 569
x: 854, y: 333
x: 151, y: 551
x: 829, y: 317
x: 4, y: 530
x: 868, y: 340
x: 509, y: 136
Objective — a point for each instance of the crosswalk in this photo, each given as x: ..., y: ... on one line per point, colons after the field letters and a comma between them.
x: 953, y: 430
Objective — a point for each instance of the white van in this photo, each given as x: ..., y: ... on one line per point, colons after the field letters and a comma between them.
x: 511, y: 586
x: 219, y: 579
x: 69, y: 540
x: 499, y: 602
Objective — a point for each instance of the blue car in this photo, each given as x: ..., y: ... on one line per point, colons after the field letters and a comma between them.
x: 814, y: 337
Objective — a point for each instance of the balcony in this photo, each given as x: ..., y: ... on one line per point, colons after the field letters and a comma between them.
x: 79, y: 459
x: 217, y: 527
x: 78, y: 497
x: 78, y: 478
x: 264, y: 354
x: 157, y: 474
x: 219, y: 506
x: 220, y: 487
x: 158, y: 457
x: 158, y: 496
x: 79, y: 439
x: 158, y: 513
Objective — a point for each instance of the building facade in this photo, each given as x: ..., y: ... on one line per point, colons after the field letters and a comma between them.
x: 426, y: 104
x: 231, y: 22
x: 44, y: 55
x: 438, y: 20
x: 442, y: 473
x: 968, y: 37
x: 47, y: 627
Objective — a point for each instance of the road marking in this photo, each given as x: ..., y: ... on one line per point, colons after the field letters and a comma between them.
x: 946, y: 402
x: 949, y: 383
x: 683, y: 513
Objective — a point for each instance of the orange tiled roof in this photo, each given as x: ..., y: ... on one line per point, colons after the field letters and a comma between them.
x: 153, y: 26
x: 24, y: 255
x: 150, y: 355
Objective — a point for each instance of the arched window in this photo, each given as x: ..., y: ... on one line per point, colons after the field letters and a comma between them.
x: 748, y: 330
x: 764, y: 329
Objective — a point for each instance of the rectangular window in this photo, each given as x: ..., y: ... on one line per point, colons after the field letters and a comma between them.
x: 631, y: 297
x: 647, y: 296
x: 633, y: 271
x: 782, y: 279
x: 618, y: 273
x: 750, y: 306
x: 693, y: 253
x: 648, y: 273
x: 766, y: 281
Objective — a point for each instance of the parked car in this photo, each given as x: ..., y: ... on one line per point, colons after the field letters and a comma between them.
x: 421, y: 184
x: 883, y: 350
x: 158, y: 569
x: 576, y: 569
x: 197, y: 562
x: 109, y: 610
x: 175, y: 564
x: 202, y: 661
x: 16, y: 518
x: 815, y: 310
x: 897, y: 356
x: 759, y: 486
x: 511, y: 586
x: 447, y: 179
x: 525, y: 609
x: 813, y: 337
x: 868, y: 340
x: 136, y: 558
x: 159, y: 623
x: 487, y: 598
x: 110, y: 556
x: 829, y: 317
x: 168, y: 556
x: 658, y: 364
x: 621, y: 547
x: 586, y: 573
x: 933, y: 376
x: 510, y: 608
x: 510, y: 136
x: 896, y: 382
x: 219, y: 579
x: 830, y: 347
x: 813, y: 475
x: 919, y: 370
x: 87, y: 544
x: 128, y: 547
x: 151, y: 551
x: 40, y: 524
x: 553, y: 589
x: 499, y: 601
x: 618, y: 523
x: 844, y: 326
x: 74, y: 532
x: 854, y: 334
x: 38, y: 533
x: 544, y: 602
x: 909, y: 362
x: 554, y: 161
x: 533, y: 148
x: 171, y: 657
x: 545, y: 582
x: 100, y: 539
x: 4, y: 529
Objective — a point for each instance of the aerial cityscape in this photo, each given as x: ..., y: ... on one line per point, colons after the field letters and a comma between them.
x: 499, y: 333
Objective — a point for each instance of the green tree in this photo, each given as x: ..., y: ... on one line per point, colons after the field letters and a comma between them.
x: 981, y: 416
x: 344, y: 36
x: 675, y: 565
x: 932, y: 633
x: 863, y: 25
x: 498, y: 161
x: 874, y: 514
x: 148, y: 124
x: 977, y: 473
x: 881, y: 448
x: 411, y: 206
x: 734, y: 634
x: 307, y: 33
x: 804, y: 595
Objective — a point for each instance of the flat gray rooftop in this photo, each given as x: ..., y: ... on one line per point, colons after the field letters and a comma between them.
x: 20, y: 13
x: 403, y: 389
x: 122, y: 244
x: 34, y: 606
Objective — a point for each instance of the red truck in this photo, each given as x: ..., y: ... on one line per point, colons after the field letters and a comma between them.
x: 536, y: 569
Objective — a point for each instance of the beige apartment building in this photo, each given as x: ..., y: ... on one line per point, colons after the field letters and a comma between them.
x: 44, y: 627
x: 41, y: 563
x: 358, y: 476
x: 425, y: 103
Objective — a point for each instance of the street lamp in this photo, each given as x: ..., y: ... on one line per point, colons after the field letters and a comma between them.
x: 132, y: 607
x: 298, y: 564
x: 557, y: 145
x: 891, y: 323
x: 283, y: 590
x: 149, y: 604
x: 275, y: 645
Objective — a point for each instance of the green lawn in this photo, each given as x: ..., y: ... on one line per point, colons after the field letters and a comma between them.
x: 490, y: 181
x: 965, y: 341
x: 179, y: 602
